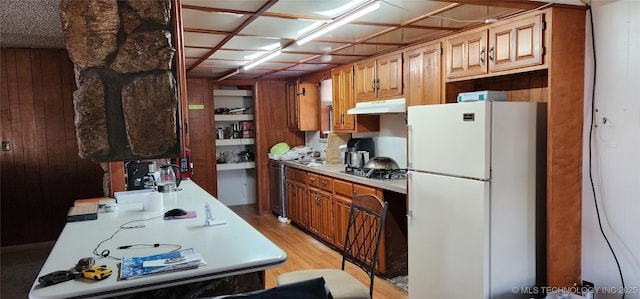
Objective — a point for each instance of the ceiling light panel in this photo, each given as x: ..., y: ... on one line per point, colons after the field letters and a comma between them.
x: 351, y: 32
x: 313, y: 8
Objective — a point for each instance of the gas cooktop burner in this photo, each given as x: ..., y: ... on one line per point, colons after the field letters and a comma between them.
x: 381, y: 174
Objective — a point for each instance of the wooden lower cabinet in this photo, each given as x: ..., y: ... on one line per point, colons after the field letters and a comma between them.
x: 296, y: 197
x: 320, y: 205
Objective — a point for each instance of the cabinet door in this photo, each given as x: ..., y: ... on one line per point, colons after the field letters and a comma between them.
x: 422, y: 75
x: 315, y: 217
x: 365, y: 80
x: 341, y: 207
x: 342, y: 80
x: 292, y: 106
x: 303, y: 106
x: 291, y: 201
x: 466, y: 55
x: 516, y: 44
x: 389, y: 76
x: 302, y: 200
x: 326, y: 214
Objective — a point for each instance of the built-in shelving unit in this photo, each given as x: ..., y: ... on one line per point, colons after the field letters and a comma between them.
x: 236, y: 176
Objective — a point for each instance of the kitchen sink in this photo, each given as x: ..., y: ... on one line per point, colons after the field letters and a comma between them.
x: 309, y: 161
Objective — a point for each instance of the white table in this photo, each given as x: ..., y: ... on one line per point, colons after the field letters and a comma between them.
x: 230, y: 249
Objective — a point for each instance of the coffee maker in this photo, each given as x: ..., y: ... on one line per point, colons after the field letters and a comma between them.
x: 140, y: 174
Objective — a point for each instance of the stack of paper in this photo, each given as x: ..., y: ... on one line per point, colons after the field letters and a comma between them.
x: 135, y: 267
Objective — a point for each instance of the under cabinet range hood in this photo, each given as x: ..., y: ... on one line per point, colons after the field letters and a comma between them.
x: 379, y: 107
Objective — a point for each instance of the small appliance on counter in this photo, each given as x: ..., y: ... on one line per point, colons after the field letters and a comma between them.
x: 170, y: 178
x: 140, y: 174
x: 358, y: 152
x: 185, y: 163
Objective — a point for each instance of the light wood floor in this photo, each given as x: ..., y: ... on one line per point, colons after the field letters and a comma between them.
x: 305, y: 252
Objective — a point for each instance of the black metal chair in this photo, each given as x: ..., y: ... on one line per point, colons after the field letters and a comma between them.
x: 364, y: 231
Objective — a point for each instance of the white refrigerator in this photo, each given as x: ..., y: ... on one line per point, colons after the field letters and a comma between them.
x: 476, y: 175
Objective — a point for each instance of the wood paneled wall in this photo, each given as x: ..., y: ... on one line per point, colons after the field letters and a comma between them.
x: 201, y: 135
x: 271, y: 128
x: 42, y: 173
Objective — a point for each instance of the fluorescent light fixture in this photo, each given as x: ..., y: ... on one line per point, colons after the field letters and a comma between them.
x: 229, y: 75
x: 307, y: 29
x: 337, y: 11
x: 339, y: 22
x: 261, y: 60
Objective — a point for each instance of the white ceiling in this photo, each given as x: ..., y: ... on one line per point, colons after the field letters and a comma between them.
x: 220, y: 35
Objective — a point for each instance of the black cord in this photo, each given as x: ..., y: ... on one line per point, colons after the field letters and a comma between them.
x: 593, y: 189
x: 107, y: 253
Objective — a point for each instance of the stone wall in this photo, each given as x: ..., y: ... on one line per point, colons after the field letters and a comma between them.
x: 126, y: 104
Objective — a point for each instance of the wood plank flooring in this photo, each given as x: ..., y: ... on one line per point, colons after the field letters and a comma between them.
x: 305, y: 252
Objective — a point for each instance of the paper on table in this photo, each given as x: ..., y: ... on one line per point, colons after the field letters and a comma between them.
x: 132, y: 267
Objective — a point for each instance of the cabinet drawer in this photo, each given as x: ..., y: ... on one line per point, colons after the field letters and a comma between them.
x: 343, y: 188
x: 296, y: 174
x: 313, y: 180
x: 360, y: 189
x: 326, y: 183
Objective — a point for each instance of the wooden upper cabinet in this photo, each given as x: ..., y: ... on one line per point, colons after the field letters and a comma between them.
x: 389, y: 70
x: 343, y: 100
x: 342, y: 80
x: 378, y: 78
x: 303, y: 106
x: 516, y: 44
x: 364, y: 82
x: 504, y: 48
x: 423, y: 74
x: 466, y: 54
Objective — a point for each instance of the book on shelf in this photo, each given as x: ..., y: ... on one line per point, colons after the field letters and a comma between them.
x: 136, y: 267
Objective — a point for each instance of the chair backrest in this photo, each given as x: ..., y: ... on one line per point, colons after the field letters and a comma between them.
x: 367, y: 216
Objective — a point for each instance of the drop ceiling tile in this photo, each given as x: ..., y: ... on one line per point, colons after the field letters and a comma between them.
x: 211, y: 20
x: 253, y: 42
x: 276, y: 27
x: 195, y: 52
x: 315, y: 47
x: 194, y: 39
x: 365, y: 50
x: 310, y: 67
x: 334, y: 59
x: 312, y: 8
x: 248, y: 5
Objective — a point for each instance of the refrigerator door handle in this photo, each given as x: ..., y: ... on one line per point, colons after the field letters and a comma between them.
x: 409, y: 151
x: 409, y: 214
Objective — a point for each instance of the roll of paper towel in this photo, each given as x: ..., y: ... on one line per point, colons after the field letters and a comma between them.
x: 152, y: 201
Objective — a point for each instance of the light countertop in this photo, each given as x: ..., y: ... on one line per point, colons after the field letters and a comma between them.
x: 337, y: 171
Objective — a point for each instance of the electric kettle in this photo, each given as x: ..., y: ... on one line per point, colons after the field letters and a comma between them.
x: 169, y: 182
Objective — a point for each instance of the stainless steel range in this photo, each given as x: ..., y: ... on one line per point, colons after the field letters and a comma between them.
x: 381, y: 174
